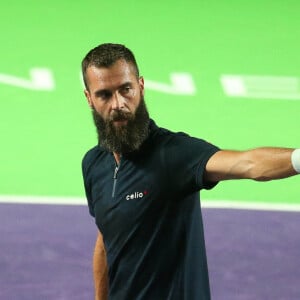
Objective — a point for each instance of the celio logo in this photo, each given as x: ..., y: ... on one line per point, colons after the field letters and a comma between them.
x: 136, y: 195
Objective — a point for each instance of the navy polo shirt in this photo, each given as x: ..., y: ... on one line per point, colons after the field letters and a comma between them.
x: 148, y: 211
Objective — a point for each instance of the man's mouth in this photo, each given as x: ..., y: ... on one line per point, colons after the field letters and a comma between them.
x: 120, y: 118
x: 120, y: 122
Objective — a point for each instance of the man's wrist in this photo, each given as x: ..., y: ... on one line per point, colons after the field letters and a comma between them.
x: 295, y: 158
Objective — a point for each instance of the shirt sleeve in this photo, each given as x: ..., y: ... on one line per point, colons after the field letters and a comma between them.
x: 187, y: 158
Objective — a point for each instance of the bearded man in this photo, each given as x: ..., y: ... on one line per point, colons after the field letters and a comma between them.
x: 142, y: 184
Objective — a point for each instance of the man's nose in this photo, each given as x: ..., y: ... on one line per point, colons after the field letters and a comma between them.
x: 117, y: 101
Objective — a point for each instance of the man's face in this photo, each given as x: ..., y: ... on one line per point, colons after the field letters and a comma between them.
x: 114, y: 89
x: 115, y: 95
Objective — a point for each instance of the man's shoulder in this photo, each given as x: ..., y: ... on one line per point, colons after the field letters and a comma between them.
x: 168, y: 137
x: 91, y: 156
x: 180, y: 140
x: 166, y: 134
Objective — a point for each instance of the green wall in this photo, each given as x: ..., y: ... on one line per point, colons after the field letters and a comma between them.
x: 45, y: 130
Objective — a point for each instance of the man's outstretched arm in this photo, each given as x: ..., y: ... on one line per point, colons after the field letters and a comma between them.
x: 259, y: 164
x: 100, y: 270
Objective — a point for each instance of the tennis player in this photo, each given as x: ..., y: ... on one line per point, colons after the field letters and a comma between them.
x: 142, y: 185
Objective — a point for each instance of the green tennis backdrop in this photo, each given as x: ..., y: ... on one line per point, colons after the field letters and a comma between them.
x: 227, y: 72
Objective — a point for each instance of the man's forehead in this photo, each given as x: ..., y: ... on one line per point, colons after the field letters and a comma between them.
x: 119, y: 68
x: 110, y: 77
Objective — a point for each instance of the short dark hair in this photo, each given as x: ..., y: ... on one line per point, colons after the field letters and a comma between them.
x: 105, y: 55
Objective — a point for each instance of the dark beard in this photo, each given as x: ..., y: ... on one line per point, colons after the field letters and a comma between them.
x: 126, y: 138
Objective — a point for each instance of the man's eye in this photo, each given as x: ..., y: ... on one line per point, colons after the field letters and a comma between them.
x: 126, y: 90
x: 105, y: 96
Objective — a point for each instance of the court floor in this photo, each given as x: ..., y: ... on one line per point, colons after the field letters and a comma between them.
x: 46, y: 253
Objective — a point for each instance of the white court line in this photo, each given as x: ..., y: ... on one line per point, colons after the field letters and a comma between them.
x: 250, y: 205
x: 43, y: 200
x: 227, y: 204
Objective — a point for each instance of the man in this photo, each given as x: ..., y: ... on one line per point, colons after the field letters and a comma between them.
x: 142, y: 184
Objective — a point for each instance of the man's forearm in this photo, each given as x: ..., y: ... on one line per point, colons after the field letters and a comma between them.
x: 100, y: 270
x: 259, y: 164
x: 270, y: 163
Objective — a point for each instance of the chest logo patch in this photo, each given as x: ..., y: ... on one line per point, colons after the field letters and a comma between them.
x: 136, y: 195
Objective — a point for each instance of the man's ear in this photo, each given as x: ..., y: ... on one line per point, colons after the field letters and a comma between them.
x: 88, y: 98
x: 142, y: 85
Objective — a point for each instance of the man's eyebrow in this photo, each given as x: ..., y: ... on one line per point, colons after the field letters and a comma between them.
x: 102, y: 92
x: 127, y: 83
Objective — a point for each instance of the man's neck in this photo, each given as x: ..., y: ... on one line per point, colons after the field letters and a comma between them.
x: 117, y: 157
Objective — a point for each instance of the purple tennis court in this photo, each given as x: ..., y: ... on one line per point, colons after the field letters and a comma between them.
x: 46, y: 253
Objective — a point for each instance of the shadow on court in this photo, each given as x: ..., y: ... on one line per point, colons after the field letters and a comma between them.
x: 46, y: 253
